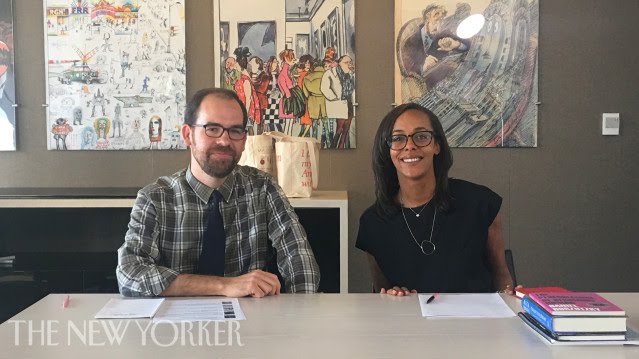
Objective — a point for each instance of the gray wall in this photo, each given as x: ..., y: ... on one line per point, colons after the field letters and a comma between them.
x: 569, y: 205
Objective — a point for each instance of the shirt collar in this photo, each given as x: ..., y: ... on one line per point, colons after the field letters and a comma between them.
x: 204, y: 192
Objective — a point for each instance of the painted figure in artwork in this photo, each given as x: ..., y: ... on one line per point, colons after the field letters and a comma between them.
x: 61, y: 130
x: 89, y: 140
x: 429, y: 50
x: 117, y: 121
x: 271, y: 119
x: 102, y: 126
x: 98, y: 100
x: 293, y: 103
x: 136, y: 140
x: 345, y: 72
x: 77, y: 116
x: 231, y: 74
x: 155, y: 132
x: 261, y: 80
x: 301, y: 70
x: 246, y: 91
x: 338, y: 86
x: 311, y: 86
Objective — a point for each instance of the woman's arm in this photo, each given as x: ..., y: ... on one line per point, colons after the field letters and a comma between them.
x: 381, y: 284
x: 379, y: 279
x: 495, y: 249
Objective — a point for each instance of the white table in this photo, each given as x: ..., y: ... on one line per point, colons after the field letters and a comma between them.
x: 308, y: 326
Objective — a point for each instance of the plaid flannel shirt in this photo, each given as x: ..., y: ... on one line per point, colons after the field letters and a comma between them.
x: 168, y: 222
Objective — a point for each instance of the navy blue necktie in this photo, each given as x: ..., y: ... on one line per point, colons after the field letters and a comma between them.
x: 214, y: 241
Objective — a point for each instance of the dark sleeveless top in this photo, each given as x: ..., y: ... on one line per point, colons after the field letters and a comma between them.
x: 460, y: 262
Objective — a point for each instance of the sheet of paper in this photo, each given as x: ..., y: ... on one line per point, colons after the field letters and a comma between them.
x: 485, y: 305
x: 201, y: 309
x: 127, y: 308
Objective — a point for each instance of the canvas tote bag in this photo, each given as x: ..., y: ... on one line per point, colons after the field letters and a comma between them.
x: 297, y: 163
x: 259, y: 153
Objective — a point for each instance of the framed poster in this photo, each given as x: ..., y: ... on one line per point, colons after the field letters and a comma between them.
x: 116, y: 74
x: 302, y: 44
x: 292, y: 64
x: 7, y: 80
x: 474, y: 64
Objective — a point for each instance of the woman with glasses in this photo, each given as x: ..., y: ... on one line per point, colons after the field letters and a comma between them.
x: 427, y: 232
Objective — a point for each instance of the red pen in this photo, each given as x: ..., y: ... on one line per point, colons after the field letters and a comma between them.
x: 432, y: 297
x: 65, y: 301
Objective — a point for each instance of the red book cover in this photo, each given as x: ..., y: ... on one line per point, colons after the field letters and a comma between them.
x: 521, y: 292
x: 576, y: 304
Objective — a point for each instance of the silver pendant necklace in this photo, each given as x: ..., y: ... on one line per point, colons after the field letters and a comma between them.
x: 430, y: 249
x: 420, y: 211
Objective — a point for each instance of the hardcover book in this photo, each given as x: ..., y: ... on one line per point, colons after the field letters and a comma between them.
x: 573, y: 324
x: 521, y: 292
x: 576, y: 304
x: 601, y: 338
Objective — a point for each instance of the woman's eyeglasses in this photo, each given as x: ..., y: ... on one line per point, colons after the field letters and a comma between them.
x: 420, y: 139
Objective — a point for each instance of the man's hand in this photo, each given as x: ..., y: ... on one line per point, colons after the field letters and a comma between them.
x: 429, y: 62
x: 448, y: 44
x: 256, y: 284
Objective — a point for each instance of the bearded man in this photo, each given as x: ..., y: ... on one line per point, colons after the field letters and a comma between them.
x: 215, y: 228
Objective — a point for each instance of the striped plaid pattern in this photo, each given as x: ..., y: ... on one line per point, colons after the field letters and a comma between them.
x: 168, y: 222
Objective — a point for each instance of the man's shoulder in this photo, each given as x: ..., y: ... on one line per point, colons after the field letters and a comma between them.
x: 313, y: 76
x: 250, y: 175
x: 166, y: 185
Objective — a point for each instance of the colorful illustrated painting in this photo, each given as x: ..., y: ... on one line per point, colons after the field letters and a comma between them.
x: 474, y: 64
x: 116, y: 74
x: 292, y: 63
x: 7, y: 81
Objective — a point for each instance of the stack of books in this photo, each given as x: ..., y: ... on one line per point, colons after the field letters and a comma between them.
x: 573, y: 316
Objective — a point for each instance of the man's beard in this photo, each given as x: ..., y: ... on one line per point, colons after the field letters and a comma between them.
x: 216, y: 167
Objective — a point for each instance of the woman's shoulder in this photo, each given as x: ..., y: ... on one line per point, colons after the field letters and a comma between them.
x: 369, y: 213
x: 372, y: 215
x: 460, y: 188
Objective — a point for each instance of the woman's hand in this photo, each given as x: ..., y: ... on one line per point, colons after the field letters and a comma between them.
x: 509, y: 289
x: 397, y: 291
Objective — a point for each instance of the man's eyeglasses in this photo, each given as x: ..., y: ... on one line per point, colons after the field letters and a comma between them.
x: 420, y: 139
x: 216, y: 131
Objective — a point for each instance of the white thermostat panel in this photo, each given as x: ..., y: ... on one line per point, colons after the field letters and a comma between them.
x: 610, y: 124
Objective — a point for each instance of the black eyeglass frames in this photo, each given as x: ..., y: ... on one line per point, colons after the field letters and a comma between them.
x: 216, y: 131
x: 420, y: 139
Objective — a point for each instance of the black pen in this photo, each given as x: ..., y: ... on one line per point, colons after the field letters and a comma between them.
x: 432, y: 297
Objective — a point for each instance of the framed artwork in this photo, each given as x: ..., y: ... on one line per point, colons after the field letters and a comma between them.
x: 301, y: 44
x: 349, y: 27
x: 292, y: 65
x: 317, y: 47
x: 333, y: 32
x: 258, y: 36
x: 224, y: 39
x: 474, y: 64
x: 116, y: 74
x: 7, y: 79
